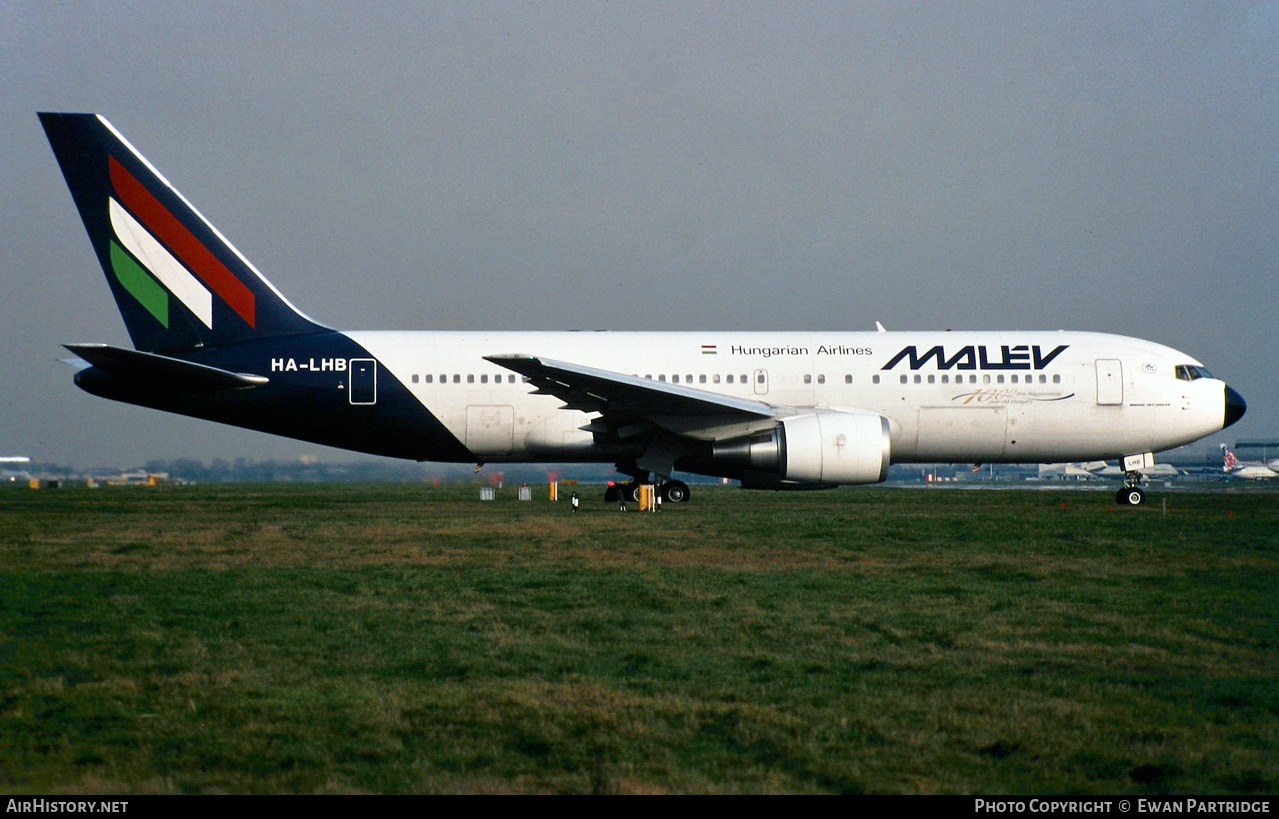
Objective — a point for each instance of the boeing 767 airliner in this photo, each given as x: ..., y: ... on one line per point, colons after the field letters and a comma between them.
x: 214, y: 339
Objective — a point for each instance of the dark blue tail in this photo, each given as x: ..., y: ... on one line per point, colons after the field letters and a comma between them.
x: 178, y: 283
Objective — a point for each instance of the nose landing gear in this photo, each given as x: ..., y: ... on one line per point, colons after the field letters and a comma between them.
x: 1131, y: 494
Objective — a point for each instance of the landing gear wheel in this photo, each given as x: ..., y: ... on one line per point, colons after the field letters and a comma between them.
x: 675, y: 492
x: 1131, y: 496
x: 632, y: 491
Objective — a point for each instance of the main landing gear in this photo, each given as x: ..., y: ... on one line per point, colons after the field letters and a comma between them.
x: 671, y: 491
x: 674, y: 492
x: 1131, y: 494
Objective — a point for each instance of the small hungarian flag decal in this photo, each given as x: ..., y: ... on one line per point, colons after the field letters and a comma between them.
x: 709, y: 349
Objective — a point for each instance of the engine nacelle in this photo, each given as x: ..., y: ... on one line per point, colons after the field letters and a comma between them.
x: 822, y: 448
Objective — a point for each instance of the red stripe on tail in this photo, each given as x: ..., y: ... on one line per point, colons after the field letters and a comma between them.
x: 182, y: 242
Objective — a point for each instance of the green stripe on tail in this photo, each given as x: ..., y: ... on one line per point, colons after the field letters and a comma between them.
x: 149, y: 293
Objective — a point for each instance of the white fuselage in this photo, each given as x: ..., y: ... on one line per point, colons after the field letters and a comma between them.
x: 949, y: 396
x: 1255, y: 472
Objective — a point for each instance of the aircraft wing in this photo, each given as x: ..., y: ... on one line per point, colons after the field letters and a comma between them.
x: 662, y: 422
x: 592, y: 390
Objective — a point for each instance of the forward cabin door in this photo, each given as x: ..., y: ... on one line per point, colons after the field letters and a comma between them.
x: 1110, y: 382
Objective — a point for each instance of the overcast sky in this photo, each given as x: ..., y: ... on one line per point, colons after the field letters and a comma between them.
x: 657, y: 166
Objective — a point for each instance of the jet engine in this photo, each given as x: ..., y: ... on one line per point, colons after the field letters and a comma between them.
x: 825, y: 448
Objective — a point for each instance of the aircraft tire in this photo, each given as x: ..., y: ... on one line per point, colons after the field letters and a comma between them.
x: 675, y: 492
x: 1131, y: 497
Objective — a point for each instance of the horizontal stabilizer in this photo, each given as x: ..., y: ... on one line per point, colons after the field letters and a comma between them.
x: 78, y: 363
x: 172, y: 373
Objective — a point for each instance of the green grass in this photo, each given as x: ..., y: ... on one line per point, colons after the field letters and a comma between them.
x: 413, y: 639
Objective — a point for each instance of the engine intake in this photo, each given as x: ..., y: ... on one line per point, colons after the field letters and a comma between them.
x: 822, y: 448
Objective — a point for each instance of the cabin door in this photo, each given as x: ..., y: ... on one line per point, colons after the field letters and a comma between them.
x: 1110, y: 382
x: 362, y: 381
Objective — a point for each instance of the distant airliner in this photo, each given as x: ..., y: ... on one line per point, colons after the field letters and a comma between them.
x: 1252, y: 470
x: 1100, y: 469
x: 213, y: 339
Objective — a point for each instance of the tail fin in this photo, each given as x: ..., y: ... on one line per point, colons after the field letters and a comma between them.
x: 1229, y: 463
x: 178, y: 283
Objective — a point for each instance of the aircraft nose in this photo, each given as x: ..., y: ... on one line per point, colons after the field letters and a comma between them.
x: 1235, y: 407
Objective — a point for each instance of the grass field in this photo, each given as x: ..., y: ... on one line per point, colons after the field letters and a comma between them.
x: 289, y: 639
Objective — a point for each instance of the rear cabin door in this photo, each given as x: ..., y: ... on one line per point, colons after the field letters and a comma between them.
x: 362, y: 381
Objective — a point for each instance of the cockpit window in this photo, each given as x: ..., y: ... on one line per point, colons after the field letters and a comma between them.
x: 1189, y: 372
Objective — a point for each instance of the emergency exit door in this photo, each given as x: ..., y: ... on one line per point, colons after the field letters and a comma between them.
x: 362, y: 381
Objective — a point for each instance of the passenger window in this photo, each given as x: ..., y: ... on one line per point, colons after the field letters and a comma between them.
x: 715, y: 378
x: 484, y: 379
x: 932, y: 379
x: 457, y: 379
x: 674, y: 379
x: 730, y: 379
x: 808, y: 379
x: 414, y: 378
x: 874, y: 379
x: 701, y: 379
x: 821, y: 379
x: 428, y: 378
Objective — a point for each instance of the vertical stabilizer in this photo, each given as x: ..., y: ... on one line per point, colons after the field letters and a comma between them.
x: 178, y: 283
